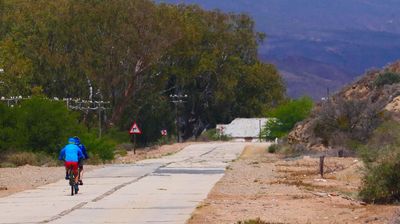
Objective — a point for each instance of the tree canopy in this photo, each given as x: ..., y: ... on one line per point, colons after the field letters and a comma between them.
x: 136, y: 53
x: 286, y: 116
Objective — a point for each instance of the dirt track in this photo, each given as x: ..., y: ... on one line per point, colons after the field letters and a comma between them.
x: 262, y: 185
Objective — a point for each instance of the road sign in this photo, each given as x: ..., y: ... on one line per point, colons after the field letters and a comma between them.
x: 135, y: 130
x: 164, y: 132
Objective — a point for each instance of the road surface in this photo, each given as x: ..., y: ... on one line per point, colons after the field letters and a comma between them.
x: 165, y: 190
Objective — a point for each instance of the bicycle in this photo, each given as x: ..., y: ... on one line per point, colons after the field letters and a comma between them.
x: 72, y: 181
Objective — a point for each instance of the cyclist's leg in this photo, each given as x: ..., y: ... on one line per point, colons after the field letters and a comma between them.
x: 80, y: 171
x: 66, y: 170
x: 75, y: 170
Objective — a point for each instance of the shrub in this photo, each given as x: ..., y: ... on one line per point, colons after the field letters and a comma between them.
x: 273, y: 148
x: 381, y: 184
x: 43, y: 125
x: 22, y: 158
x: 29, y: 158
x: 286, y: 116
x: 117, y: 135
x: 8, y: 123
x: 165, y: 140
x: 381, y: 156
x: 7, y: 165
x: 212, y: 135
x: 121, y: 152
x: 341, y: 121
x: 387, y: 78
x: 102, y: 149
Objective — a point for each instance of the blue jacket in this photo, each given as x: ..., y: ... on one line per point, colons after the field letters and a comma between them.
x: 71, y: 153
x: 83, y: 149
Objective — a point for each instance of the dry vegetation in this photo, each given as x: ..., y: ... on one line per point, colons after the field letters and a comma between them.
x: 272, y: 189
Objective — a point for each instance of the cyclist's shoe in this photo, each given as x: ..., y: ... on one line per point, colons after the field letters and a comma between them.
x: 80, y: 182
x: 76, y: 187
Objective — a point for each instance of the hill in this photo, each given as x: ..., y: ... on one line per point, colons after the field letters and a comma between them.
x: 350, y: 36
x: 353, y: 114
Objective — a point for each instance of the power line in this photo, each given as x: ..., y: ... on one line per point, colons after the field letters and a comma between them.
x: 71, y: 103
x: 177, y: 99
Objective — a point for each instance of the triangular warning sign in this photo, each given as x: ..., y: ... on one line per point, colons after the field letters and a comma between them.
x: 135, y: 130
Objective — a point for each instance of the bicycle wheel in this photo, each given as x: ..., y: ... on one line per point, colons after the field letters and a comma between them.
x: 71, y: 180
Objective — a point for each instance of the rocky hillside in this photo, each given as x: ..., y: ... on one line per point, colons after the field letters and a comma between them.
x: 352, y: 114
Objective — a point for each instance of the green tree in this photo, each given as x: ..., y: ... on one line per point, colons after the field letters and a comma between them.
x: 44, y: 125
x: 285, y: 116
x: 144, y: 52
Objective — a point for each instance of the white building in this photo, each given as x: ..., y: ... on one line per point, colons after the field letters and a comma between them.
x: 243, y: 129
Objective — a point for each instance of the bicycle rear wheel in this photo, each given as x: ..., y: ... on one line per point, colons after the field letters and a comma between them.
x: 71, y: 180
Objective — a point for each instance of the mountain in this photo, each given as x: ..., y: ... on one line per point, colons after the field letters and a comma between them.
x: 352, y: 114
x: 341, y: 37
x: 304, y: 76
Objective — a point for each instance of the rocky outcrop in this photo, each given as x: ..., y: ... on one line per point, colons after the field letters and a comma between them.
x: 372, y: 101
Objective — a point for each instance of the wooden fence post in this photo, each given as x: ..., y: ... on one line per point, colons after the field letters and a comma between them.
x: 321, y: 165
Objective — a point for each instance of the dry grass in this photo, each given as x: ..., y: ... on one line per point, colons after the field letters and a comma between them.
x: 22, y: 158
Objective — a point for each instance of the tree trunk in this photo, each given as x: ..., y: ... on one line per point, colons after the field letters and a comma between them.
x: 121, y: 105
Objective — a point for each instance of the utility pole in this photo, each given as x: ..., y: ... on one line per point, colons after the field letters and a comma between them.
x: 13, y: 100
x: 72, y: 104
x: 177, y: 99
x: 89, y: 105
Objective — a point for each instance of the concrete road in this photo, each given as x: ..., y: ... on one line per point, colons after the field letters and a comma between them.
x: 165, y: 190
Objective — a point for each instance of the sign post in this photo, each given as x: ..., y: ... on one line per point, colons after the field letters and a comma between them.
x: 135, y: 130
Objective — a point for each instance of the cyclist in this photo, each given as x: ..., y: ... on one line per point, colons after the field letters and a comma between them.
x: 71, y: 154
x: 80, y: 162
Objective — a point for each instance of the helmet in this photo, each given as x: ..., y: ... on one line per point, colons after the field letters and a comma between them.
x: 77, y: 140
x: 72, y: 140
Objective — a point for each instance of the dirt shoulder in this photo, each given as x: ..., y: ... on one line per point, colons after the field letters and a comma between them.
x: 278, y: 190
x: 13, y: 180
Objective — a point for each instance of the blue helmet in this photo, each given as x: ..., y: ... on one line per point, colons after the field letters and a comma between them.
x: 72, y: 140
x: 77, y: 140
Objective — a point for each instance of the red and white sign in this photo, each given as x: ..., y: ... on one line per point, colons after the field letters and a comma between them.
x: 135, y: 130
x: 164, y: 132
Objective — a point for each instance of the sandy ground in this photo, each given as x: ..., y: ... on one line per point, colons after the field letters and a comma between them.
x: 278, y: 190
x: 22, y: 178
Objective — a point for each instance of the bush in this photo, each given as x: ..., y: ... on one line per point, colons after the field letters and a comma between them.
x: 212, y: 135
x: 387, y: 78
x: 273, y: 148
x: 102, y: 149
x: 22, y: 158
x: 381, y: 184
x: 43, y: 125
x: 117, y: 135
x: 35, y: 131
x: 29, y: 158
x: 8, y: 131
x: 166, y: 140
x: 286, y: 116
x: 381, y: 156
x: 340, y: 122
